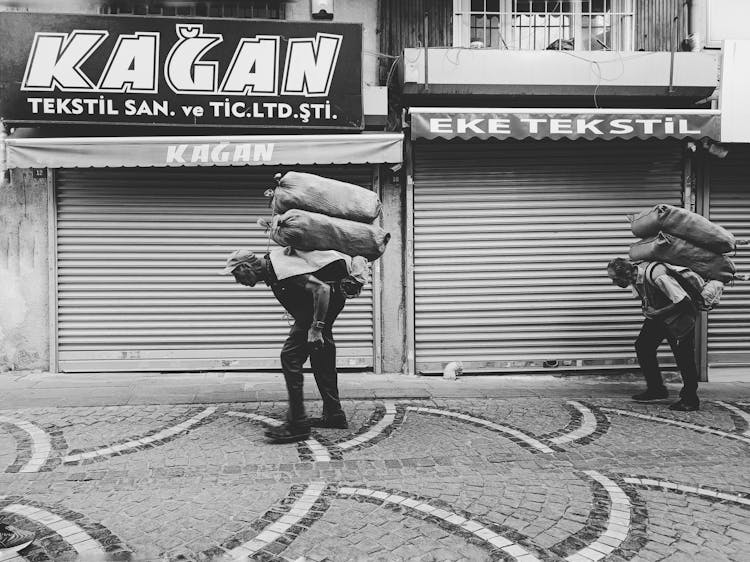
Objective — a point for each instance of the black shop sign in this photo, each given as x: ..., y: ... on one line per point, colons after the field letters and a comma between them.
x: 58, y: 68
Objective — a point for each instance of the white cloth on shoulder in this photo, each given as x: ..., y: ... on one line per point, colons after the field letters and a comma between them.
x: 288, y: 262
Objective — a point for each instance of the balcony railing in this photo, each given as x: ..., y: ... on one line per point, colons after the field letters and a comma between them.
x: 542, y: 24
x: 267, y: 9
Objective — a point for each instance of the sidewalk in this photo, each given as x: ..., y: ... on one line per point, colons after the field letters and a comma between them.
x: 34, y: 389
x: 176, y: 468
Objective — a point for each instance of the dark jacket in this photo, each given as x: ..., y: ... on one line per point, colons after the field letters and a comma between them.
x: 291, y: 292
x: 680, y: 321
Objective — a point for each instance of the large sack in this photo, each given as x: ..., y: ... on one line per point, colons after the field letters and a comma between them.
x: 671, y: 249
x: 304, y: 230
x: 683, y: 224
x: 298, y: 190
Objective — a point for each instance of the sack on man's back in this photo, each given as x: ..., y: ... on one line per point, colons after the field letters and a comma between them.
x: 704, y: 294
x: 299, y: 190
x: 313, y: 231
x: 684, y: 224
x: 671, y: 249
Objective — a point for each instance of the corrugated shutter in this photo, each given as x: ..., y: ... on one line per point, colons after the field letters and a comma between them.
x: 511, y: 243
x: 729, y: 206
x: 138, y: 255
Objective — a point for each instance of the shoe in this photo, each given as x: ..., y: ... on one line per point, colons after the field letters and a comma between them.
x: 288, y: 433
x: 682, y: 406
x: 651, y: 395
x: 273, y: 430
x: 12, y: 539
x: 337, y: 421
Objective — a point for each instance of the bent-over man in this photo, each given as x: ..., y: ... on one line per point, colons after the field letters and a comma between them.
x: 670, y: 314
x: 312, y: 287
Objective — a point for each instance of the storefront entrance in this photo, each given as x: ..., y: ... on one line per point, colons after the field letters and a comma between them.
x: 138, y: 256
x: 511, y: 243
x: 729, y: 206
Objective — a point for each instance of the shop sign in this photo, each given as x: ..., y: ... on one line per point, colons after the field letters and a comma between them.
x: 180, y: 71
x: 180, y: 150
x: 428, y: 123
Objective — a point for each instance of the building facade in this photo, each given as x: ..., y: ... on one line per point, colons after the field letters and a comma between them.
x: 140, y: 148
x: 536, y: 128
x: 529, y: 130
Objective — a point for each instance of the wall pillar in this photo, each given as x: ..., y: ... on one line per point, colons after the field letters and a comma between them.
x: 392, y: 273
x: 24, y: 272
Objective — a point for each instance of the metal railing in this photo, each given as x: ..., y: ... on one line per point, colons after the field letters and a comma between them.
x: 544, y: 24
x: 265, y: 9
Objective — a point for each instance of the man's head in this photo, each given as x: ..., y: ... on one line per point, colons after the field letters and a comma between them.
x: 622, y: 272
x: 245, y: 266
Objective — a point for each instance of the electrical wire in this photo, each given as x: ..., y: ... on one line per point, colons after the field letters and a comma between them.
x: 596, y: 69
x: 379, y: 54
x: 390, y: 71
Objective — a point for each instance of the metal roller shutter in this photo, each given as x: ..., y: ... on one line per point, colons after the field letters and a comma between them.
x: 511, y: 243
x: 138, y: 251
x: 729, y: 206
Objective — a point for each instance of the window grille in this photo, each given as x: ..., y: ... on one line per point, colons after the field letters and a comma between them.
x: 585, y: 25
x: 255, y: 9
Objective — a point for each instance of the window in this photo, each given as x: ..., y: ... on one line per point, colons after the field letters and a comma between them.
x: 583, y: 25
x: 261, y: 9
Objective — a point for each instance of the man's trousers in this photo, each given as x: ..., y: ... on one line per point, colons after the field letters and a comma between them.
x: 652, y: 334
x: 295, y: 352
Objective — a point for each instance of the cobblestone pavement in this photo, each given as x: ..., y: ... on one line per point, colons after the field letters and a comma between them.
x: 522, y: 478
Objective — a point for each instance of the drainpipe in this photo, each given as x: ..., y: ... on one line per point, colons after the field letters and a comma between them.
x: 3, y: 153
x: 426, y: 51
x: 674, y: 30
x: 690, y: 18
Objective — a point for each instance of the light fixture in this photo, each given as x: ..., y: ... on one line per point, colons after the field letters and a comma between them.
x: 321, y: 9
x: 714, y: 148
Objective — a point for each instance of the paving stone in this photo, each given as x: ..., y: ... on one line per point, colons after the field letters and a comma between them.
x: 205, y: 488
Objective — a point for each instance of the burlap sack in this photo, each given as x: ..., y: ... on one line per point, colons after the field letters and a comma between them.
x: 312, y: 231
x: 298, y: 190
x: 671, y: 249
x: 683, y: 224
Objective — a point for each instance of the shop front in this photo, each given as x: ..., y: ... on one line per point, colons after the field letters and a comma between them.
x: 516, y: 214
x: 728, y: 203
x: 138, y: 249
x: 726, y: 199
x: 140, y: 225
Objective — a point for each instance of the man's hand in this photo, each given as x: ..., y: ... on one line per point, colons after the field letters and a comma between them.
x: 650, y: 312
x: 315, y: 338
x: 321, y: 295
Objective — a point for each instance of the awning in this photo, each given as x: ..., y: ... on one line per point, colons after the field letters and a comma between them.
x: 114, y: 152
x: 486, y: 123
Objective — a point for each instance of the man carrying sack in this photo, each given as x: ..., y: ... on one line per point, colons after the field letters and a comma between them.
x: 313, y: 287
x: 670, y: 314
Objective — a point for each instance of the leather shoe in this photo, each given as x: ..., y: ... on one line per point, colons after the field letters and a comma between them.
x: 337, y: 421
x: 650, y: 395
x: 287, y: 433
x: 682, y: 406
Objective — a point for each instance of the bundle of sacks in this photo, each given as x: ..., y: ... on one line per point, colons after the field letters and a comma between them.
x: 678, y: 237
x: 316, y: 213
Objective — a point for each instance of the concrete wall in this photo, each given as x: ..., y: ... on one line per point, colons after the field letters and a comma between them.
x: 558, y: 69
x: 392, y: 274
x: 24, y: 273
x: 349, y: 11
x: 714, y: 21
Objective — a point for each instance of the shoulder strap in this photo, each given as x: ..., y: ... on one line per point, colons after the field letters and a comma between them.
x: 649, y: 273
x: 694, y: 293
x: 272, y: 279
